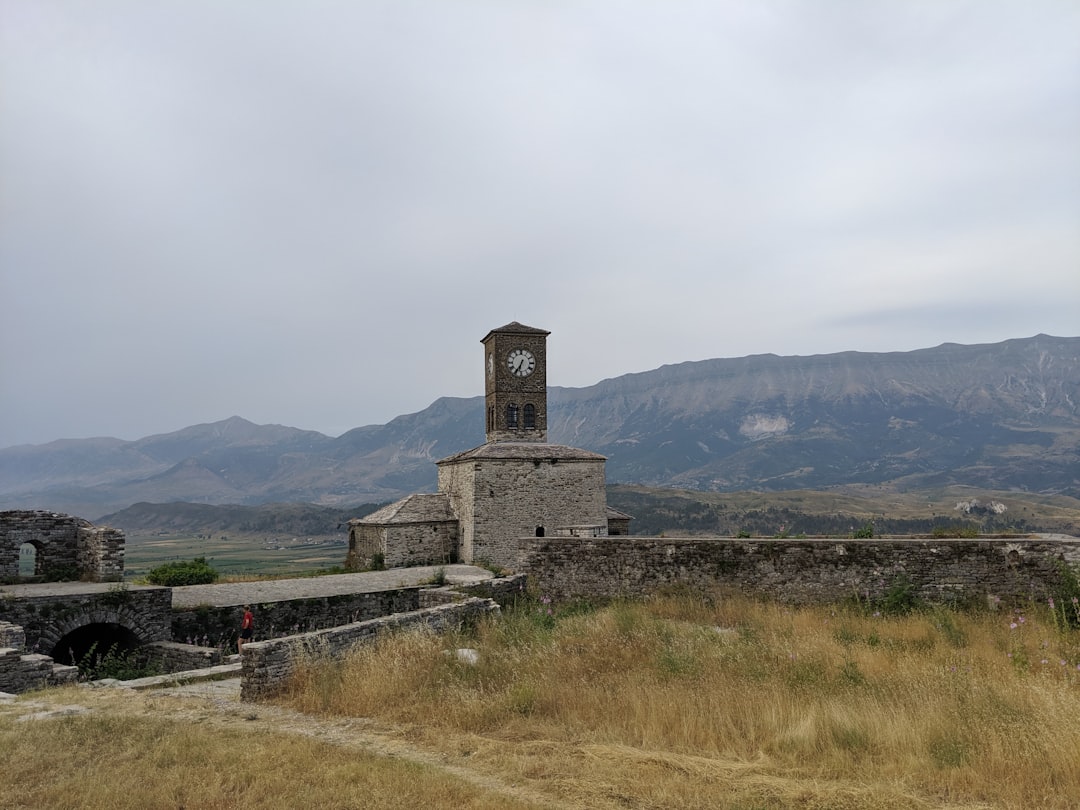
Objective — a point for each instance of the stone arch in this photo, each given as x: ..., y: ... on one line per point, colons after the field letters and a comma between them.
x: 105, y: 626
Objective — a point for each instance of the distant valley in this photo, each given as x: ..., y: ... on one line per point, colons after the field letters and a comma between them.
x: 998, y: 417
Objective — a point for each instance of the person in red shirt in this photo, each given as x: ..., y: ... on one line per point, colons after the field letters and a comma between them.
x: 247, y: 629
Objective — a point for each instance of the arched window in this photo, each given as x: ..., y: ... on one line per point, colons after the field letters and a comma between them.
x: 512, y: 416
x: 539, y: 531
x: 530, y: 416
x: 27, y: 560
x: 491, y: 418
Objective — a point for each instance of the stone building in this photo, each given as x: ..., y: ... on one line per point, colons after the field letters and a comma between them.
x: 61, y: 546
x: 514, y: 485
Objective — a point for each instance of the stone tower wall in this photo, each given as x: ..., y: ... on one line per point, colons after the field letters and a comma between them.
x: 502, y: 388
x: 510, y: 498
x: 66, y: 547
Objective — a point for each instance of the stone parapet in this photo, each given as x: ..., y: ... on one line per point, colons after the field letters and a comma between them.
x: 798, y: 571
x: 266, y: 665
x: 218, y: 626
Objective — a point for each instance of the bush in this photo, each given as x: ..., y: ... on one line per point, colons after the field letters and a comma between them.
x: 865, y: 532
x: 190, y: 572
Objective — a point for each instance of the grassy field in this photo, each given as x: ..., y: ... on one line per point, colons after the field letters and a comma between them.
x: 684, y: 702
x: 232, y: 556
x: 680, y: 701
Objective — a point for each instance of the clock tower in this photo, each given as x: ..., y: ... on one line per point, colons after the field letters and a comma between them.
x: 515, y: 388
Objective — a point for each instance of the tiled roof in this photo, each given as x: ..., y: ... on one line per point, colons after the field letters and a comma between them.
x: 535, y: 451
x: 517, y: 328
x: 428, y: 508
x: 617, y: 515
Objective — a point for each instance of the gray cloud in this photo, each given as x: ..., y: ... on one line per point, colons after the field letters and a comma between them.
x: 310, y: 213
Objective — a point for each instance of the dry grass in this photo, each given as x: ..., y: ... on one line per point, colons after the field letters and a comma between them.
x: 687, y: 702
x: 115, y: 761
x: 678, y: 702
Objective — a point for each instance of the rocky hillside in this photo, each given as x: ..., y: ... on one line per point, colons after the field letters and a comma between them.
x: 1003, y: 416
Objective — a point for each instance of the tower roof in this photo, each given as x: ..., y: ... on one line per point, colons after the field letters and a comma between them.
x: 535, y: 451
x: 515, y: 328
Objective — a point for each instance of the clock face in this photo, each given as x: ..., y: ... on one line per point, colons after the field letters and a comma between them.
x: 521, y: 362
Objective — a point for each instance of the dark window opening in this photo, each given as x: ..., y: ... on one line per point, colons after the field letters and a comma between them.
x: 491, y: 418
x: 512, y: 411
x: 530, y: 417
x: 539, y: 531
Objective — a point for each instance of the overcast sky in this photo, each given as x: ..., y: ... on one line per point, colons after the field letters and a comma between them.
x: 309, y: 213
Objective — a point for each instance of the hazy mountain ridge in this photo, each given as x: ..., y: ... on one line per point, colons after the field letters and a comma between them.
x: 1003, y: 416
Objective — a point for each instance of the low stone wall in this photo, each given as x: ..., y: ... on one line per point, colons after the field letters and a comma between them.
x: 798, y: 571
x: 21, y: 671
x: 267, y: 664
x: 169, y: 656
x: 504, y: 590
x: 219, y: 626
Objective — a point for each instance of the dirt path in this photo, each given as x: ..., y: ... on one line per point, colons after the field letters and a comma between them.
x: 218, y: 704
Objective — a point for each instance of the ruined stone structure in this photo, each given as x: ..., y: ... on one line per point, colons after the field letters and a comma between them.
x: 514, y: 485
x: 21, y: 671
x: 64, y: 547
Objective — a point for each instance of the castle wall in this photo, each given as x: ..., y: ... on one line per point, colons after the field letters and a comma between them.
x: 797, y: 571
x: 212, y: 626
x: 66, y: 547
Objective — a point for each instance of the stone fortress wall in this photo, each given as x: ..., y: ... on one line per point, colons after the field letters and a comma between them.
x: 957, y: 572
x: 65, y: 547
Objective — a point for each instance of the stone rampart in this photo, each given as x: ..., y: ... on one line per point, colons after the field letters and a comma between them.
x: 798, y: 571
x: 267, y: 664
x: 216, y: 626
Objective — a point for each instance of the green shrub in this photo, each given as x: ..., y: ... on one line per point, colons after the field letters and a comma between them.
x: 900, y: 597
x: 865, y: 532
x: 189, y: 572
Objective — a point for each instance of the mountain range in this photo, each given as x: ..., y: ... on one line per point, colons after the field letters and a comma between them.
x: 1002, y: 416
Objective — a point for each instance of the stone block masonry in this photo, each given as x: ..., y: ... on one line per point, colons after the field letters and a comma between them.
x: 21, y: 671
x: 65, y: 547
x: 267, y: 665
x: 48, y: 613
x: 218, y: 626
x: 799, y: 571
